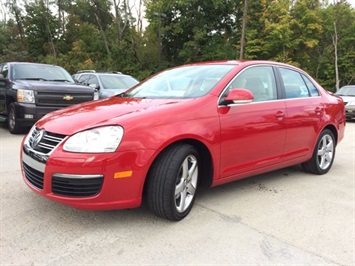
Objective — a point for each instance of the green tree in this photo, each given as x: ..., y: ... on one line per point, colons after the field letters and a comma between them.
x: 190, y: 27
x: 307, y: 32
x: 41, y: 30
x: 342, y: 17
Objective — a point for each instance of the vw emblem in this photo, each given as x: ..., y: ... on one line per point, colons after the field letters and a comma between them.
x: 37, y: 137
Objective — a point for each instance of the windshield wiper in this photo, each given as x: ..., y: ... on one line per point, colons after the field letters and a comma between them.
x: 123, y: 95
x: 61, y: 80
x: 42, y: 79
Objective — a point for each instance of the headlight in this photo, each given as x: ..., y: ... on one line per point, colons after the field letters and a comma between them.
x: 25, y: 96
x: 96, y: 140
x: 350, y: 104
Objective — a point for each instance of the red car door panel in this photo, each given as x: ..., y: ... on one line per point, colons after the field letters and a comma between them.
x: 252, y: 136
x: 303, y: 121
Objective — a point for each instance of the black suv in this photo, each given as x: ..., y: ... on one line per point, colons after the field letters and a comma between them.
x: 28, y: 91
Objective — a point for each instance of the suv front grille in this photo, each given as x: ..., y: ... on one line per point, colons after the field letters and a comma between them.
x: 76, y: 187
x: 43, y: 141
x: 60, y: 99
x: 33, y: 176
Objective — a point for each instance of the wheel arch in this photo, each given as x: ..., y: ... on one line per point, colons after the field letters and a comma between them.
x: 9, y: 100
x: 333, y: 129
x: 206, y: 171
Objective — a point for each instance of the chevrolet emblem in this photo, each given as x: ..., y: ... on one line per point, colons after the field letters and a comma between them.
x: 68, y: 98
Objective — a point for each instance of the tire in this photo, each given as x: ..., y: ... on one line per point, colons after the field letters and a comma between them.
x: 12, y: 123
x: 323, y: 154
x: 172, y: 182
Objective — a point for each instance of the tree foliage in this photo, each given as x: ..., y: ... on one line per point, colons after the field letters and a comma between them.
x: 109, y: 34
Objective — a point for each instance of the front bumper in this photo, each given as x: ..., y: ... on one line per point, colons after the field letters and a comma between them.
x: 350, y: 111
x: 89, y: 181
x: 27, y: 114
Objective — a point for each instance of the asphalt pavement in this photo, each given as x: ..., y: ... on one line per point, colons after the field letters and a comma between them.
x: 285, y: 217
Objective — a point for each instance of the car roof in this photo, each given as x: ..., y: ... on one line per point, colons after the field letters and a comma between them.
x: 348, y: 86
x: 97, y: 72
x: 101, y: 73
x: 29, y: 63
x: 242, y: 63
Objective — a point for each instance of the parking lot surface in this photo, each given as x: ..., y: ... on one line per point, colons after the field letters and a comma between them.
x: 285, y: 217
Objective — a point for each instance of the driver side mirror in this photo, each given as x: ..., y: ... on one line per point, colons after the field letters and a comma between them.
x: 94, y: 86
x: 239, y: 96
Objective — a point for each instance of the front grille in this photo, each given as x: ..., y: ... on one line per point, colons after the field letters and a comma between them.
x: 60, y: 99
x: 76, y: 187
x: 47, y: 142
x: 33, y: 176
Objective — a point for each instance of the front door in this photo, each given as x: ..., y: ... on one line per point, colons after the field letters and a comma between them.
x: 252, y: 134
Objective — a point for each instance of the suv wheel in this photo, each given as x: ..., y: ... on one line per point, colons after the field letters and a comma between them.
x: 14, y: 128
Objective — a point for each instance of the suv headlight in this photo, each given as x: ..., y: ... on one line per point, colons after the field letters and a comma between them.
x: 25, y: 96
x: 96, y: 140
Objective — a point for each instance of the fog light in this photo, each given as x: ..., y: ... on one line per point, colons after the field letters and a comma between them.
x: 29, y: 116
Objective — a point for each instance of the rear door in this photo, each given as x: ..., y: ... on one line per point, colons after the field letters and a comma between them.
x: 304, y: 110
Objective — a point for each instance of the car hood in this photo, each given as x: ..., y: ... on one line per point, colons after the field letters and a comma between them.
x: 110, y: 111
x: 66, y: 87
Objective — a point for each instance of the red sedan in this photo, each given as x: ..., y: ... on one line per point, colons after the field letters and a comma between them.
x: 193, y: 125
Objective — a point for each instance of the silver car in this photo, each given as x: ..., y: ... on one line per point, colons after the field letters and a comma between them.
x: 348, y: 95
x: 107, y: 83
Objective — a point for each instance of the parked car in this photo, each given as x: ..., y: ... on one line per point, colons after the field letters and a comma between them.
x: 347, y: 93
x: 107, y: 83
x: 77, y: 74
x: 196, y: 125
x: 28, y: 91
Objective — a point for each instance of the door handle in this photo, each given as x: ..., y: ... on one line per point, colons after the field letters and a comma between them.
x: 280, y: 115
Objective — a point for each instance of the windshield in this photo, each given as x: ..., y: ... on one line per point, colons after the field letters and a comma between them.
x: 181, y: 82
x: 40, y: 72
x: 117, y: 82
x: 346, y: 91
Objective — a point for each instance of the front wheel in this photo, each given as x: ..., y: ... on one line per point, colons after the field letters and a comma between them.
x: 13, y: 125
x: 172, y: 182
x: 323, y: 154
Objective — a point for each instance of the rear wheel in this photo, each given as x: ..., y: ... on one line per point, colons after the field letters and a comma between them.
x: 323, y: 154
x: 172, y: 182
x: 13, y: 126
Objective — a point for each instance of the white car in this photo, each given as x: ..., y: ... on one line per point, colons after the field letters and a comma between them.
x: 348, y: 95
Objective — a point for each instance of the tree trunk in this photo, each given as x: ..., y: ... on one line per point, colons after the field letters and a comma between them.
x: 16, y: 11
x: 242, y: 40
x: 103, y: 35
x: 335, y: 43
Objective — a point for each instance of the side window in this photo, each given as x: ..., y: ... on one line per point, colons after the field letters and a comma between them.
x: 5, y: 71
x: 312, y: 89
x: 93, y: 80
x: 295, y: 86
x: 83, y: 79
x: 259, y: 80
